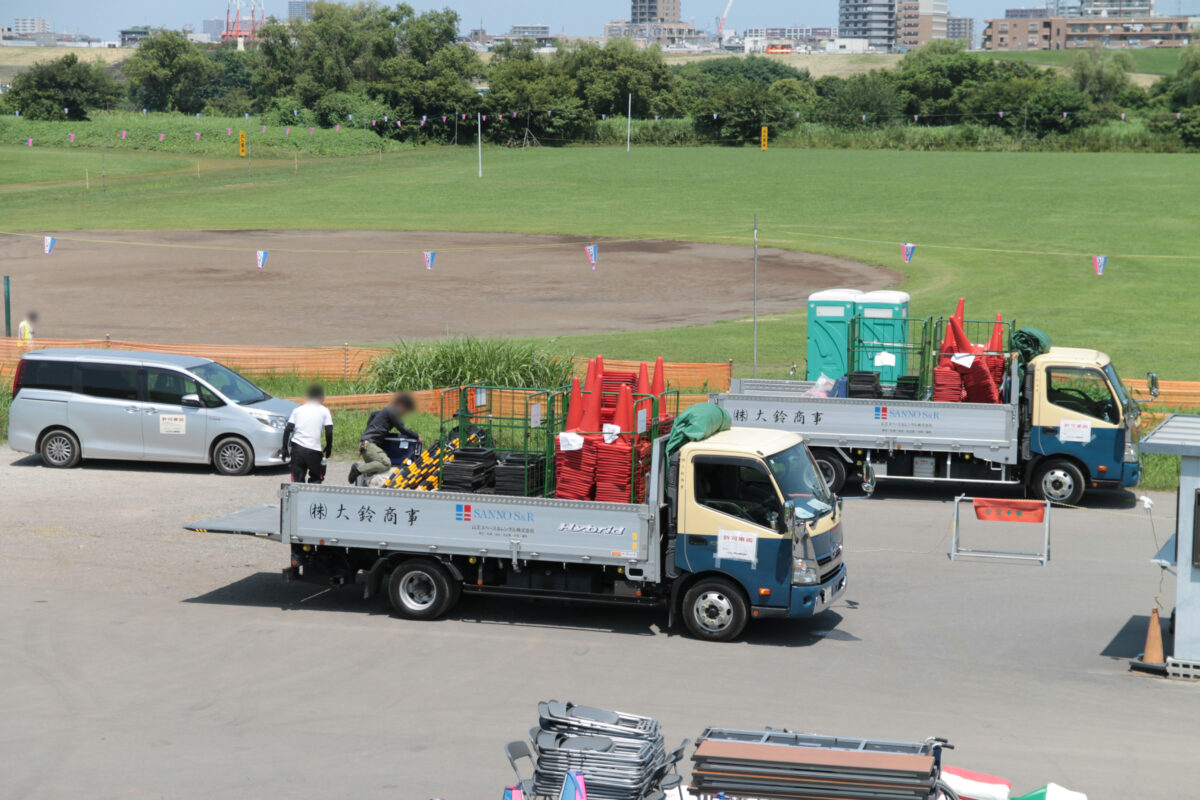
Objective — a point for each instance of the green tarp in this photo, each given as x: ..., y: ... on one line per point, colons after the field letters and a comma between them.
x: 698, y: 422
x: 1030, y: 343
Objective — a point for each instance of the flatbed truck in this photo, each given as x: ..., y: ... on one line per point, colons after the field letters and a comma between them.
x: 1065, y: 424
x: 739, y: 525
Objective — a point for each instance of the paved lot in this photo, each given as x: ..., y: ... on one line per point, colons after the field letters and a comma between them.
x: 138, y: 660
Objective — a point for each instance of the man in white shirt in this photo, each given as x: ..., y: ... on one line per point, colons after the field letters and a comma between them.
x: 302, y: 438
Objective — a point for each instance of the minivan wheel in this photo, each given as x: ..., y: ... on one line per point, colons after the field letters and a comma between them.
x: 60, y: 449
x: 233, y: 456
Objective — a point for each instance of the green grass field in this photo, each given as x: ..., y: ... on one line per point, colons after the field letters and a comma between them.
x: 1012, y: 232
x: 1151, y: 61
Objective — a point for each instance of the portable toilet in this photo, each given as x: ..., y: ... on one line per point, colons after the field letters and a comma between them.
x: 883, y: 334
x: 829, y: 314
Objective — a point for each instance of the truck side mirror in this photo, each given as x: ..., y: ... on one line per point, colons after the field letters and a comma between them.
x: 1152, y: 383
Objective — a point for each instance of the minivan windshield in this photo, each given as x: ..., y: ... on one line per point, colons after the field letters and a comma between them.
x: 800, y: 481
x: 229, y: 383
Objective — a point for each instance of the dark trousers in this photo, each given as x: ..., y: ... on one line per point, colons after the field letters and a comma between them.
x: 306, y: 465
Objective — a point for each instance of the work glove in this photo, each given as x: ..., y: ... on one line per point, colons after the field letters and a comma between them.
x: 328, y: 452
x: 285, y: 454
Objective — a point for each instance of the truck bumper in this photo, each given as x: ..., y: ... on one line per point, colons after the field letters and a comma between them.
x: 1131, y: 474
x: 809, y: 600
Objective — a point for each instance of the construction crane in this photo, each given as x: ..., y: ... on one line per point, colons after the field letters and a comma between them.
x: 721, y: 25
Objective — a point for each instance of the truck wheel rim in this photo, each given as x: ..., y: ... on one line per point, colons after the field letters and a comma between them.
x: 232, y: 457
x: 713, y: 611
x: 1058, y: 485
x: 58, y: 450
x: 417, y: 591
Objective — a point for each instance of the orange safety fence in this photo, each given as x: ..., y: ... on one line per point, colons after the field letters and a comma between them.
x: 328, y: 363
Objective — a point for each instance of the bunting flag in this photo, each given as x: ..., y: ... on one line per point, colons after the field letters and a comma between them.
x: 604, y: 116
x: 464, y: 117
x: 48, y: 244
x: 593, y: 254
x: 70, y: 137
x: 398, y: 125
x: 549, y: 113
x: 197, y: 136
x: 1178, y: 115
x: 372, y: 123
x: 29, y: 142
x: 385, y: 119
x: 513, y: 793
x: 160, y: 137
x: 351, y: 116
x: 247, y: 115
x: 143, y: 112
x: 714, y: 115
x: 443, y: 117
x: 1001, y: 115
x: 229, y: 131
x: 122, y: 134
x: 197, y: 115
x: 295, y: 112
x: 264, y: 128
x: 916, y: 117
x: 310, y: 131
x: 1064, y: 115
x: 66, y: 111
x: 1098, y: 263
x: 337, y: 127
x: 907, y: 249
x: 262, y: 258
x: 514, y: 115
x: 287, y: 131
x: 864, y: 116
x: 485, y: 117
x: 429, y: 255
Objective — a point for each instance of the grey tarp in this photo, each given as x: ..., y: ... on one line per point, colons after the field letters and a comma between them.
x: 698, y: 422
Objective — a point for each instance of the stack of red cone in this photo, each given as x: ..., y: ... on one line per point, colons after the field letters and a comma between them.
x: 621, y: 464
x: 575, y: 469
x: 976, y: 378
x: 995, y: 352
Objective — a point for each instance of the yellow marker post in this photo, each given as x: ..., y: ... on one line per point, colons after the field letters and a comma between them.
x: 242, y: 143
x: 764, y: 137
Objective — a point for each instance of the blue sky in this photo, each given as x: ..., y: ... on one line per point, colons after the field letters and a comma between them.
x: 104, y: 18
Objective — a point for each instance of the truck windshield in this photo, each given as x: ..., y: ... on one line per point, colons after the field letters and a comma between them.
x: 1118, y: 387
x: 229, y: 383
x: 800, y: 481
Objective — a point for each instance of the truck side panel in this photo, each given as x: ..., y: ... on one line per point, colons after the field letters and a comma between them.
x: 984, y: 431
x: 491, y: 526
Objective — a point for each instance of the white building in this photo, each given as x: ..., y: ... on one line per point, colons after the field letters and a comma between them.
x: 25, y: 26
x: 848, y: 46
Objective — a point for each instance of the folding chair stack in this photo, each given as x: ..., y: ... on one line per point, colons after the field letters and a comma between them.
x: 782, y: 764
x: 621, y: 755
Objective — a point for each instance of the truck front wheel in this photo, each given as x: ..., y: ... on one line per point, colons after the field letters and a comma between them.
x: 715, y: 610
x: 421, y: 589
x: 1059, y: 481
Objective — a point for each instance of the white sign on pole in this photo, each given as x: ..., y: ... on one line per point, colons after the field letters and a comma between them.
x: 480, y: 397
x: 535, y: 415
x: 641, y: 420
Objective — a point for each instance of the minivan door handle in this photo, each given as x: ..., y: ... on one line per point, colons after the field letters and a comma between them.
x: 131, y: 409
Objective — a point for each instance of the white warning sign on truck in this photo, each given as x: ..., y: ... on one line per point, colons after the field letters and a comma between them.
x: 737, y: 546
x: 172, y: 424
x: 1075, y: 430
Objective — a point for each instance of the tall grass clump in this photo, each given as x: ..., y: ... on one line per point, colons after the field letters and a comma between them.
x: 466, y: 360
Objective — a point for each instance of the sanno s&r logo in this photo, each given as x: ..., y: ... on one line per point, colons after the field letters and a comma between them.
x: 462, y: 512
x: 881, y: 412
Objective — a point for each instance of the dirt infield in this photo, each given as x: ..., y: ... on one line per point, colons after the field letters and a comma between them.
x: 202, y: 286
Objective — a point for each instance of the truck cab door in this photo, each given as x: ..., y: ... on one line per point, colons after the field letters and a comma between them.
x: 1075, y: 413
x: 734, y: 498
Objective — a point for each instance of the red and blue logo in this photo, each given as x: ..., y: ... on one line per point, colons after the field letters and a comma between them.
x: 881, y: 412
x: 462, y: 512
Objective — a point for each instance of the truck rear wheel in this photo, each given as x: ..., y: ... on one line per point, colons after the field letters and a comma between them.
x: 715, y: 610
x: 1059, y: 481
x: 833, y: 469
x: 421, y: 589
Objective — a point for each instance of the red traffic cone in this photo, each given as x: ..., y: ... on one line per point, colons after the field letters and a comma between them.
x: 643, y: 384
x: 659, y: 384
x: 961, y: 310
x: 591, y: 374
x: 623, y: 416
x: 961, y: 343
x: 600, y: 366
x: 591, y: 408
x: 574, y: 406
x: 996, y: 343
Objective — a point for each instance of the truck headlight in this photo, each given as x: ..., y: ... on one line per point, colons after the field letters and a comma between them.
x: 804, y: 572
x: 1131, y: 453
x: 271, y: 420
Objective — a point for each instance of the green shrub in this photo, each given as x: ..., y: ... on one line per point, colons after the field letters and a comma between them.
x: 465, y: 360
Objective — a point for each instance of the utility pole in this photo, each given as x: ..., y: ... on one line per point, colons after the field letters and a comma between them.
x: 629, y: 123
x: 103, y: 153
x: 479, y: 139
x: 756, y: 295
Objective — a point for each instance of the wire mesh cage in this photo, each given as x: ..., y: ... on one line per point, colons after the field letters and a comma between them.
x: 899, y: 349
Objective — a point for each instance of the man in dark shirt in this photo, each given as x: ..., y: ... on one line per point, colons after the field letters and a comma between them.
x: 379, y: 425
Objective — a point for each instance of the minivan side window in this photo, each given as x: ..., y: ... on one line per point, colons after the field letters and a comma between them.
x: 115, y: 381
x: 40, y: 374
x: 168, y: 387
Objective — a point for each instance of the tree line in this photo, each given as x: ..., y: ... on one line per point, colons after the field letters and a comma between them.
x: 379, y: 62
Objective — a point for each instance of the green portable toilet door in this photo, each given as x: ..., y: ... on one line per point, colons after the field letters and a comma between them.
x: 829, y: 315
x: 883, y: 320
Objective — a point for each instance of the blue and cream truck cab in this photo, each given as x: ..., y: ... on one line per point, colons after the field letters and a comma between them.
x: 738, y: 525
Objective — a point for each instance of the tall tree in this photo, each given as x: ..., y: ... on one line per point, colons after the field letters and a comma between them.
x: 169, y: 73
x: 65, y: 88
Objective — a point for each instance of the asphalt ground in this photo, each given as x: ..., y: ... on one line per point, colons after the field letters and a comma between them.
x: 140, y: 660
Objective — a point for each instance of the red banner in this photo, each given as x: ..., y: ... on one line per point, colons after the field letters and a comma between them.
x: 994, y: 509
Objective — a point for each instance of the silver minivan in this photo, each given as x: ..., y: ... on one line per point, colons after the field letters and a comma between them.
x: 125, y: 404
